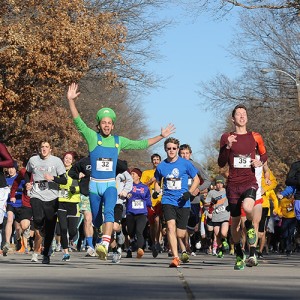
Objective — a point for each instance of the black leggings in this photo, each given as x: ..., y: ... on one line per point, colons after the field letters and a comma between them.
x: 44, y: 216
x: 68, y: 221
x: 135, y: 226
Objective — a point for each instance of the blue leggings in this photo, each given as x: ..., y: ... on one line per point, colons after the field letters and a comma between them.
x: 103, y: 195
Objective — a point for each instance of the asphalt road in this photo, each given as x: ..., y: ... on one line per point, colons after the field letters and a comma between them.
x: 204, y: 277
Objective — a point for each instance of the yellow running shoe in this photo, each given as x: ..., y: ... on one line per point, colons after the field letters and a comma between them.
x: 185, y: 258
x: 101, y: 251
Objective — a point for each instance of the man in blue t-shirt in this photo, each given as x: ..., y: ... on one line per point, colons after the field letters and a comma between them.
x: 175, y: 172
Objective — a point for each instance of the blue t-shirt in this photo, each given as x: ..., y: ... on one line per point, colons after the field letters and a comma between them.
x: 175, y: 180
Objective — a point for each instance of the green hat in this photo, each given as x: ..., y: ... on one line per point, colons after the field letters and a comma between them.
x: 106, y: 112
x: 220, y: 179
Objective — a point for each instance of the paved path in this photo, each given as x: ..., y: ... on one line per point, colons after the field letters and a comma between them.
x: 205, y: 277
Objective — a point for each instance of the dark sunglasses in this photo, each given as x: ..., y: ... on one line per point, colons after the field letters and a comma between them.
x: 172, y: 148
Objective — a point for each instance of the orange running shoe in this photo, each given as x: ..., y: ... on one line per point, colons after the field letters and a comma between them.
x: 175, y: 262
x: 22, y: 249
x: 140, y: 253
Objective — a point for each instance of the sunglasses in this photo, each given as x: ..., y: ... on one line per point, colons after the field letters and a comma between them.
x: 172, y: 148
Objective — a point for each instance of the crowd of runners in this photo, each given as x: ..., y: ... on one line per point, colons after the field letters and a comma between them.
x: 98, y: 205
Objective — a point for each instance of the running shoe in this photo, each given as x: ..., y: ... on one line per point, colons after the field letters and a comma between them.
x: 193, y: 254
x: 231, y: 252
x: 26, y: 251
x: 101, y: 251
x: 116, y: 257
x: 170, y: 254
x: 129, y: 254
x: 58, y: 248
x: 252, y: 261
x: 72, y: 247
x: 185, y: 258
x: 225, y: 245
x: 34, y: 257
x: 66, y: 257
x: 260, y: 255
x: 175, y: 263
x: 214, y: 252
x: 46, y: 260
x: 154, y: 251
x: 139, y: 253
x: 90, y: 252
x: 251, y: 236
x: 220, y: 254
x: 240, y: 262
x: 5, y: 249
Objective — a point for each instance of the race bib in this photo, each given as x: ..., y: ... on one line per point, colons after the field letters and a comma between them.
x: 220, y: 209
x: 138, y: 204
x: 41, y: 186
x: 241, y: 162
x: 173, y: 183
x: 104, y: 164
x: 63, y: 193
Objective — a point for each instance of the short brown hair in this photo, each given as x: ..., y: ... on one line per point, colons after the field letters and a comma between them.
x: 185, y: 147
x: 45, y: 140
x: 237, y: 107
x: 171, y: 140
x: 155, y: 155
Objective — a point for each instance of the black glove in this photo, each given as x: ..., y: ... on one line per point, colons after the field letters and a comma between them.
x: 213, y: 201
x: 72, y: 189
x: 155, y: 195
x: 186, y: 196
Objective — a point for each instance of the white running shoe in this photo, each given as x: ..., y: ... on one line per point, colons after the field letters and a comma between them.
x: 58, y: 248
x: 90, y: 252
x: 116, y: 258
x: 214, y: 252
x: 34, y: 257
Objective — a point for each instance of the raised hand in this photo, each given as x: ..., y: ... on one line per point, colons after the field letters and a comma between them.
x: 73, y: 91
x: 170, y: 129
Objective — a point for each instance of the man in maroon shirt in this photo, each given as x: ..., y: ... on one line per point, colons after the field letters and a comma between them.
x: 238, y: 149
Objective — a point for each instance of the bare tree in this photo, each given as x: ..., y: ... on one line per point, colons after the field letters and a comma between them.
x: 265, y: 40
x: 223, y: 7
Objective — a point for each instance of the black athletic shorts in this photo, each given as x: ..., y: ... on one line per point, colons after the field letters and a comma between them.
x: 179, y: 214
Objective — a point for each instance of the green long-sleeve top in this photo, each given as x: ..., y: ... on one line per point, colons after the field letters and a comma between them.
x: 91, y: 138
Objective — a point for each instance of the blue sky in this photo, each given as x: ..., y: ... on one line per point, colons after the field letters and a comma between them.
x: 193, y: 51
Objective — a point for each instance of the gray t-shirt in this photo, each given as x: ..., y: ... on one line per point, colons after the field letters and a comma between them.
x: 205, y: 185
x: 124, y: 182
x: 43, y: 190
x: 220, y: 201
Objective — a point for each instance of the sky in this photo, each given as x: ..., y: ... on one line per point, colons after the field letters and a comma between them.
x: 192, y: 51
